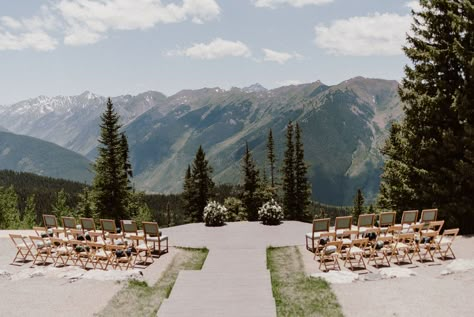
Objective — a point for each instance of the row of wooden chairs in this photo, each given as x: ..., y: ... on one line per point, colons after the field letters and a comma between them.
x: 367, y: 221
x: 397, y: 244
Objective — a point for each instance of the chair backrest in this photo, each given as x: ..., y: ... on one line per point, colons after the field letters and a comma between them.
x: 151, y: 229
x: 387, y: 219
x: 129, y: 226
x: 108, y: 226
x: 415, y: 227
x: 40, y: 230
x: 350, y: 234
x: 428, y: 215
x: 69, y: 223
x: 449, y: 236
x: 360, y: 243
x: 409, y: 217
x: 87, y: 224
x: 56, y: 241
x: 38, y: 242
x: 343, y: 223
x: 75, y: 233
x: 366, y: 220
x: 114, y: 237
x: 18, y: 240
x: 436, y: 225
x: 395, y: 229
x: 321, y: 225
x: 50, y: 221
x: 406, y: 237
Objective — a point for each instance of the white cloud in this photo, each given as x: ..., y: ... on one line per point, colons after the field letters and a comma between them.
x: 294, y: 3
x: 81, y: 22
x: 278, y: 57
x: 28, y: 33
x: 289, y: 82
x: 218, y: 48
x: 88, y: 21
x: 414, y: 5
x: 378, y: 34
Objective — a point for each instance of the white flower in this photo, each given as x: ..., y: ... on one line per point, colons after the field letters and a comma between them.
x: 214, y: 214
x: 270, y: 213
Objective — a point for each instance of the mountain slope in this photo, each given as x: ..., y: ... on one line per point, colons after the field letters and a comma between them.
x: 27, y: 154
x: 343, y: 128
x: 71, y: 122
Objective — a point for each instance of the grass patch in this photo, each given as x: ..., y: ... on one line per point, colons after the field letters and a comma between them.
x: 295, y: 293
x: 140, y: 299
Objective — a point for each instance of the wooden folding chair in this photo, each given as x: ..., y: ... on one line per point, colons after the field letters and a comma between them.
x: 386, y: 220
x: 381, y: 250
x: 444, y: 242
x: 355, y: 253
x: 61, y: 251
x: 427, y: 246
x: 139, y: 247
x: 329, y: 255
x: 22, y: 246
x: 152, y: 234
x: 129, y: 227
x: 108, y: 226
x: 403, y: 246
x: 342, y: 224
x: 98, y: 255
x: 120, y: 257
x: 80, y: 252
x: 51, y: 222
x: 365, y: 221
x: 41, y: 249
x: 69, y: 223
x: 409, y: 217
x: 428, y: 215
x: 87, y: 224
x: 435, y: 226
x: 319, y: 226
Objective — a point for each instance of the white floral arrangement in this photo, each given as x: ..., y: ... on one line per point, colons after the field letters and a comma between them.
x: 270, y: 213
x: 215, y: 214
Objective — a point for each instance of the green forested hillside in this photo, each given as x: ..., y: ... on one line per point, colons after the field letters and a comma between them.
x: 26, y: 154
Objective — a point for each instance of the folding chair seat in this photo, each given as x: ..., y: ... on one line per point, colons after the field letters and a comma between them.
x: 22, y: 246
x: 355, y: 253
x: 152, y: 234
x: 444, y: 242
x: 61, y: 251
x: 141, y: 250
x: 312, y: 238
x: 329, y: 255
x: 41, y: 248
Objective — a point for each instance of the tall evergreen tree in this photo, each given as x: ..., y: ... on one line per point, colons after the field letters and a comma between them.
x: 110, y: 182
x: 84, y: 206
x: 251, y: 183
x: 358, y: 208
x: 302, y: 187
x: 61, y: 206
x: 289, y: 175
x: 271, y: 157
x: 202, y: 186
x: 125, y: 157
x: 29, y: 214
x: 430, y: 155
x: 188, y: 193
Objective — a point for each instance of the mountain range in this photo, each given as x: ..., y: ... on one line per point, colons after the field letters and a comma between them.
x: 343, y: 127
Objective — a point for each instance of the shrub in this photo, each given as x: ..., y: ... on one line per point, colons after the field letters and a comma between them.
x: 235, y: 209
x: 215, y: 214
x: 270, y: 213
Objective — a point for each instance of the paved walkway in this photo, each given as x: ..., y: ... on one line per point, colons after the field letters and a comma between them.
x: 234, y: 280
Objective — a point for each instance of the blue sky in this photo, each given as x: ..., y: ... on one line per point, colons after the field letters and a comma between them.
x: 115, y: 47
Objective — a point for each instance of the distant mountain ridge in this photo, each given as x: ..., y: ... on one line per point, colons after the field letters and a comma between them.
x: 343, y: 127
x: 27, y: 154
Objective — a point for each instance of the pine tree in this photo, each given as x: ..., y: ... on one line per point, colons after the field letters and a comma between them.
x: 430, y: 155
x: 289, y: 175
x: 124, y: 156
x: 358, y: 208
x: 201, y: 186
x: 251, y: 183
x: 271, y: 157
x: 9, y: 211
x: 84, y: 206
x: 61, y: 207
x: 111, y: 180
x: 29, y: 214
x: 302, y: 187
x: 188, y: 193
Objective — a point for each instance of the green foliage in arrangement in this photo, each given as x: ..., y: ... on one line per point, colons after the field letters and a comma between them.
x: 430, y: 154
